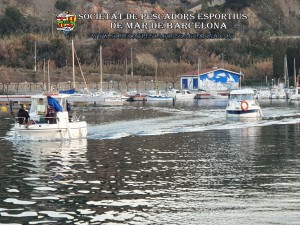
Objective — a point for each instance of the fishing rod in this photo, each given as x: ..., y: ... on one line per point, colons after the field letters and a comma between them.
x: 10, y: 105
x: 11, y: 108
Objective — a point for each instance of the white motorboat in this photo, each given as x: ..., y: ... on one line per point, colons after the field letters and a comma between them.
x: 281, y: 93
x: 202, y: 94
x: 181, y: 94
x: 220, y: 95
x: 273, y: 92
x: 135, y: 96
x: 126, y: 95
x: 160, y: 95
x: 59, y: 125
x: 289, y: 92
x: 278, y: 93
x: 296, y: 94
x: 102, y: 98
x: 264, y: 93
x: 242, y: 104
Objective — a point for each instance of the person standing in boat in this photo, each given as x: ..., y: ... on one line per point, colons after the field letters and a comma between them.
x: 53, y: 108
x: 54, y: 104
x: 41, y: 107
x: 51, y: 115
x: 23, y: 115
x: 69, y: 109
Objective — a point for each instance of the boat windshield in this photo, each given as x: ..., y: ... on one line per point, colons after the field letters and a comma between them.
x: 241, y: 97
x: 37, y: 105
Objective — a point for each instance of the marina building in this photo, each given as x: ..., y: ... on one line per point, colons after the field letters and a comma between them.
x: 215, y: 79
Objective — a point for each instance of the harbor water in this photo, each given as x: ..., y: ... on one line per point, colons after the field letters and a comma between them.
x: 158, y: 164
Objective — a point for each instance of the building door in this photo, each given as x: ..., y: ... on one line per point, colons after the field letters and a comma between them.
x: 195, y: 83
x: 184, y: 84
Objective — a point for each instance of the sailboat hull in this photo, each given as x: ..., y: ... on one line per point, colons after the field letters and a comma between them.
x: 159, y: 98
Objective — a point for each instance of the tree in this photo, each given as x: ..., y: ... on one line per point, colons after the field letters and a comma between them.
x: 11, y: 22
x: 238, y: 5
x: 62, y: 5
x: 14, y: 14
x: 57, y: 51
x: 278, y: 59
x: 144, y: 69
x: 293, y: 53
x: 6, y: 25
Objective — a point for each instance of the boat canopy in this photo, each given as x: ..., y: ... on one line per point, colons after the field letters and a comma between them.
x: 241, y: 91
x: 71, y: 91
x: 240, y: 95
x: 60, y: 98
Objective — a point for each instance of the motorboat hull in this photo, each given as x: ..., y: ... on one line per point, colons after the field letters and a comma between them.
x: 159, y: 98
x: 38, y: 131
x: 202, y: 96
x: 295, y: 98
x: 220, y: 95
x: 185, y: 97
x: 181, y: 94
x: 137, y: 97
x: 250, y: 113
x: 243, y: 105
x: 56, y: 123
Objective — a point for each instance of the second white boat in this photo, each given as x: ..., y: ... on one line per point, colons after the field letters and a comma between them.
x: 242, y: 104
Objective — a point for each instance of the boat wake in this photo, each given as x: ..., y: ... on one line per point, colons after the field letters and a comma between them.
x: 187, y: 121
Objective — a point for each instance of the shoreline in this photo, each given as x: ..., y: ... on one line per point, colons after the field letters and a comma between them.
x: 25, y: 88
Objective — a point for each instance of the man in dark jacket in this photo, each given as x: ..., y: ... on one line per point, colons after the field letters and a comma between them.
x: 23, y: 115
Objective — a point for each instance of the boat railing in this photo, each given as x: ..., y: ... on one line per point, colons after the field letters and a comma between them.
x: 21, y: 119
x: 42, y: 119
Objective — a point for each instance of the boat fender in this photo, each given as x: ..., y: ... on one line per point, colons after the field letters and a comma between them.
x: 244, y: 105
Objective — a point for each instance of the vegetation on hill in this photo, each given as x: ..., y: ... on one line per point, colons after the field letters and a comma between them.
x: 258, y: 48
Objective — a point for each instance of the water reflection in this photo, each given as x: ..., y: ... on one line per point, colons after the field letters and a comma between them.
x: 40, y: 158
x: 233, y: 173
x: 43, y: 172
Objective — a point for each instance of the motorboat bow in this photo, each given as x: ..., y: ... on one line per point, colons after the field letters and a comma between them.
x: 242, y: 104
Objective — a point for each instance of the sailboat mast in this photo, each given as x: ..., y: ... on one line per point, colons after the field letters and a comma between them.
x: 156, y: 85
x: 295, y: 79
x: 73, y: 63
x: 35, y: 56
x: 48, y: 87
x: 100, y: 63
x: 285, y: 72
x: 44, y: 81
x: 199, y: 65
x: 131, y: 62
x: 80, y: 69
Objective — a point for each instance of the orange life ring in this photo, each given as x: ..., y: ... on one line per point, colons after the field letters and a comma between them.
x: 244, y: 105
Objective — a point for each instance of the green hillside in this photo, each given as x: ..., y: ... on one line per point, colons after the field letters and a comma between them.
x: 269, y: 30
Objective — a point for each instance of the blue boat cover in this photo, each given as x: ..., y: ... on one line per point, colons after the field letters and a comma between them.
x: 71, y: 91
x: 54, y: 104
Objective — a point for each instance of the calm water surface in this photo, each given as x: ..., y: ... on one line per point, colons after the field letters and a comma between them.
x: 157, y: 164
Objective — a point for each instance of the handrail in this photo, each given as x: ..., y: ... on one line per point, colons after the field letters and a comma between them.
x: 49, y: 120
